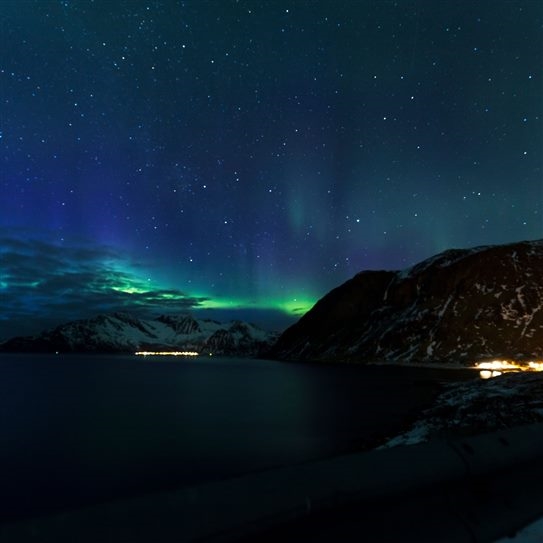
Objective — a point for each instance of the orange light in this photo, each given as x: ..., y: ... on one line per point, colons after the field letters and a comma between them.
x: 493, y: 368
x: 166, y: 353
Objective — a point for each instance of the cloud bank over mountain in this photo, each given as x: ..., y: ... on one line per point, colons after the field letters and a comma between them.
x: 43, y: 283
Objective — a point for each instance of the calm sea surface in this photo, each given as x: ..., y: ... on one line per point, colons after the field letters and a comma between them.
x: 83, y: 429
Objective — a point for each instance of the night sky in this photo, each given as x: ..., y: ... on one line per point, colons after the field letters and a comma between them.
x: 238, y: 159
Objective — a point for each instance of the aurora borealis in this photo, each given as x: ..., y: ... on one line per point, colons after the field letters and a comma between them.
x: 242, y: 158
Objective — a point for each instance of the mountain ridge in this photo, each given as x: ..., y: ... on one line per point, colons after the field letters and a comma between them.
x: 457, y: 306
x: 124, y: 333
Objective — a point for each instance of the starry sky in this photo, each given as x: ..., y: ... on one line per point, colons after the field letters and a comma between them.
x: 239, y: 159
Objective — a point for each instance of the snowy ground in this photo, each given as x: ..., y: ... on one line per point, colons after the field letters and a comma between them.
x: 475, y: 407
x: 531, y: 534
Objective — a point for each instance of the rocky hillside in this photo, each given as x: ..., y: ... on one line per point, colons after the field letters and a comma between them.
x: 121, y: 332
x: 459, y: 306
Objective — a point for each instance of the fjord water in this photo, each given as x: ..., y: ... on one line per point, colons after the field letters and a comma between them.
x: 83, y: 429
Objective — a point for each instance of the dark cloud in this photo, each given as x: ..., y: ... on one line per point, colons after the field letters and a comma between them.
x: 44, y: 284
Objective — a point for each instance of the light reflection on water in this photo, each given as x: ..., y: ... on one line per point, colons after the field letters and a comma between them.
x: 487, y: 374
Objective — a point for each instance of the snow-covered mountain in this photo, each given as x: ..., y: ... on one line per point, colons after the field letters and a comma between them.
x: 121, y: 332
x: 459, y: 306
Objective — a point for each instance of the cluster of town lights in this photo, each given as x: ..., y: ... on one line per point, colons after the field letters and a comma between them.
x: 166, y: 353
x: 493, y: 368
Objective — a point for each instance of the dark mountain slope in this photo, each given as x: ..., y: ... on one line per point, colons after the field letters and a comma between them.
x: 458, y: 306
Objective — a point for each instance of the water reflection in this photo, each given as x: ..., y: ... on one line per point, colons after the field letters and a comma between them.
x: 487, y: 374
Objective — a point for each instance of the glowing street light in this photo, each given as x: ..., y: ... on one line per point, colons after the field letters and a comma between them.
x: 166, y: 353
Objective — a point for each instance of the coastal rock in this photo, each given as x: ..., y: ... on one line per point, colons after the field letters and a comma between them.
x: 478, y: 406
